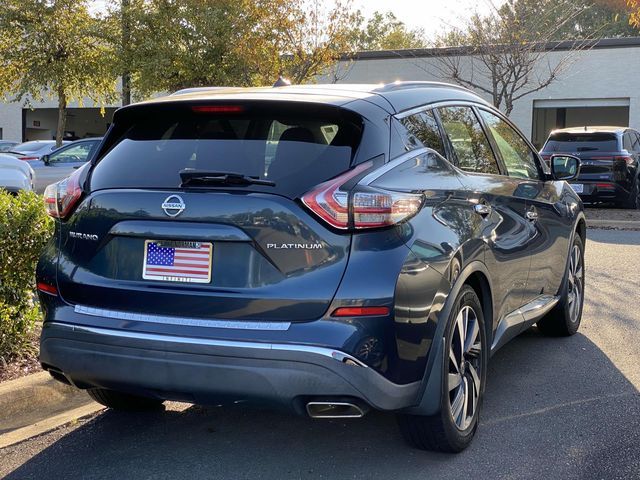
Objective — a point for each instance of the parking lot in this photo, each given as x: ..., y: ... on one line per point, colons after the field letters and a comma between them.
x: 555, y: 408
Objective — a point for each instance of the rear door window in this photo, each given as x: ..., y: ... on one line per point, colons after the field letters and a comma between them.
x: 72, y: 154
x: 293, y: 146
x: 470, y: 145
x: 566, y: 142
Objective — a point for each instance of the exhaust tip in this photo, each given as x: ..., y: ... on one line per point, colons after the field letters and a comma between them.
x: 334, y: 410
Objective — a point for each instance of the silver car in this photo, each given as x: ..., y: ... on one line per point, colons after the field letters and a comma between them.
x: 15, y: 175
x: 60, y: 163
x: 34, y: 150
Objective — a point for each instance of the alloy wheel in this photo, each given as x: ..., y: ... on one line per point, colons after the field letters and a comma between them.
x: 465, y: 362
x: 576, y: 283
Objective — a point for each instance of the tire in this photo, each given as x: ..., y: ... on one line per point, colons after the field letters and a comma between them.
x: 124, y: 401
x: 633, y: 202
x: 564, y: 319
x: 452, y: 429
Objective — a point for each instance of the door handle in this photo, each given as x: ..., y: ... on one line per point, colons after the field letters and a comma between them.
x: 532, y: 215
x: 482, y: 209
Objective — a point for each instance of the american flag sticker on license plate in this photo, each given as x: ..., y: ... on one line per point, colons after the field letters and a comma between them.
x: 171, y: 261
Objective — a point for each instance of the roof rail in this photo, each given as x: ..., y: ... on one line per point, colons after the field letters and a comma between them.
x: 184, y: 91
x: 403, y: 85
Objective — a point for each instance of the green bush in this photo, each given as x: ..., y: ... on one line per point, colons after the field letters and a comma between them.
x: 25, y: 228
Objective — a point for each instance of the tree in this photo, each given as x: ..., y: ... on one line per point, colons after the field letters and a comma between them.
x: 173, y: 44
x: 505, y: 54
x: 383, y: 31
x: 53, y: 48
x: 630, y: 7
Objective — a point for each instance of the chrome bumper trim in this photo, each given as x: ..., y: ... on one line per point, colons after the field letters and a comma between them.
x: 282, y: 347
x: 185, y: 321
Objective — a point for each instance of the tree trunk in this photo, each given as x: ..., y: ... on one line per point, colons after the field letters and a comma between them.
x: 126, y: 46
x: 62, y: 115
x: 508, y: 107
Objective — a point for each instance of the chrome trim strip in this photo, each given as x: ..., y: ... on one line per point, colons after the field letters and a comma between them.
x: 511, y: 323
x: 280, y: 347
x: 371, y: 177
x: 441, y: 103
x: 185, y: 321
x: 538, y: 307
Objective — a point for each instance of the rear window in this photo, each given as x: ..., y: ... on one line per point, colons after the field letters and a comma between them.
x: 31, y: 147
x: 582, y: 142
x: 296, y: 146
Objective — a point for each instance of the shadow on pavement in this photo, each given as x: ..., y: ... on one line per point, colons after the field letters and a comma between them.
x: 554, y: 408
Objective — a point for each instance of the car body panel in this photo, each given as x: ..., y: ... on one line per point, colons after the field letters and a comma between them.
x: 261, y: 296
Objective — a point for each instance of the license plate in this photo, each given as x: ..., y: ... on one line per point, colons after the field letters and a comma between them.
x: 177, y: 261
x: 577, y: 187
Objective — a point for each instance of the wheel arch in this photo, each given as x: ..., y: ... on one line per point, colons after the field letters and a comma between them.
x: 476, y: 275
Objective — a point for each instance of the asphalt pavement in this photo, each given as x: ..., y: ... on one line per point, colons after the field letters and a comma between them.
x: 555, y: 408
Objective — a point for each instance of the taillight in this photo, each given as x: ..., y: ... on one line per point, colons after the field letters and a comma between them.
x: 626, y: 159
x: 365, y: 208
x: 61, y: 197
x: 27, y: 158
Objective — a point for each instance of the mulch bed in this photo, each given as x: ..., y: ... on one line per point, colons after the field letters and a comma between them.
x: 612, y: 214
x: 19, y: 368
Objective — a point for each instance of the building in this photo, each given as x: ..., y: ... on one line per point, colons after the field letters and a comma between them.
x: 599, y: 86
x: 38, y: 121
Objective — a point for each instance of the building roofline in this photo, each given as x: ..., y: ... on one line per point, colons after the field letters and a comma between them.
x: 565, y: 45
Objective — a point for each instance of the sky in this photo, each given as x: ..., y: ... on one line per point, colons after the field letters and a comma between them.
x: 432, y: 15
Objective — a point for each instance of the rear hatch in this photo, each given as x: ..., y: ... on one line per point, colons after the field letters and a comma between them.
x: 600, y: 152
x: 180, y: 217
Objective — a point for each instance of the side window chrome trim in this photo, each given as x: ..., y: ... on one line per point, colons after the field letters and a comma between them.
x: 391, y: 164
x: 441, y: 103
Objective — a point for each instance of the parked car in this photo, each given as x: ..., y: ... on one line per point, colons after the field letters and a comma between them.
x: 6, y: 145
x: 15, y: 175
x: 609, y: 156
x: 63, y: 162
x: 399, y: 236
x: 34, y: 150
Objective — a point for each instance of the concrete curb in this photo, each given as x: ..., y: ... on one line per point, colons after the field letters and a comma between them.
x: 37, y: 403
x: 614, y: 224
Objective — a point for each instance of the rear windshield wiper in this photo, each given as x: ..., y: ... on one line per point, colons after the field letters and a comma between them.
x: 192, y: 177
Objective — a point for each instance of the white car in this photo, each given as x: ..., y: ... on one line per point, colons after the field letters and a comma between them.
x: 15, y: 175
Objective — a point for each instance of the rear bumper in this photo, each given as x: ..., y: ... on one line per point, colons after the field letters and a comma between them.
x: 209, y: 371
x: 601, y: 191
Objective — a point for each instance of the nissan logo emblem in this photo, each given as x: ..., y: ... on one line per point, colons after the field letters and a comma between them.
x: 173, y: 205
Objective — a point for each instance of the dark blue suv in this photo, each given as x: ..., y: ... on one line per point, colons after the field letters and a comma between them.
x: 329, y: 249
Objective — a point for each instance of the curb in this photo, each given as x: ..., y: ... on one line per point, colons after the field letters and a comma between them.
x: 36, y: 404
x: 614, y: 224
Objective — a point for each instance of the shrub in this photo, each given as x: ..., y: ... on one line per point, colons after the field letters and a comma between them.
x: 25, y: 228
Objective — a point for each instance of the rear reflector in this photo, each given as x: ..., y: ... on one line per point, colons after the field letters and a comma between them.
x: 360, y: 311
x: 27, y: 158
x: 46, y: 288
x: 217, y: 109
x: 608, y: 186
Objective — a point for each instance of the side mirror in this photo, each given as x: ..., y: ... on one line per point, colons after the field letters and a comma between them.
x: 565, y: 167
x: 45, y: 160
